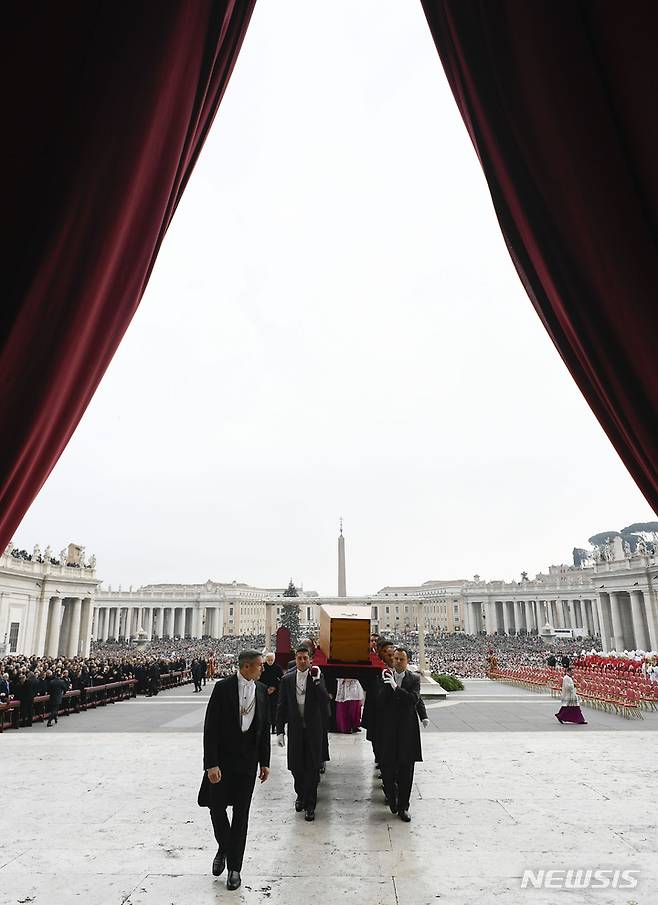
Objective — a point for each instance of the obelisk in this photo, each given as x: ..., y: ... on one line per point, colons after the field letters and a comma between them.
x: 342, y: 584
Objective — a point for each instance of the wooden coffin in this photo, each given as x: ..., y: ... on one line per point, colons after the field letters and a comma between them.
x: 345, y: 632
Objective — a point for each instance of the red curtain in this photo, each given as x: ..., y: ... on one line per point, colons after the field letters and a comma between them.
x: 559, y: 98
x: 106, y: 108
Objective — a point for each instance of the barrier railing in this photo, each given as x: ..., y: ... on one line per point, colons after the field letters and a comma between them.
x: 78, y: 700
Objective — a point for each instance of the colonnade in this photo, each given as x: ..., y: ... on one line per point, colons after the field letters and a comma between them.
x: 622, y: 619
x: 112, y: 623
x: 515, y: 616
x: 65, y: 627
x: 627, y: 621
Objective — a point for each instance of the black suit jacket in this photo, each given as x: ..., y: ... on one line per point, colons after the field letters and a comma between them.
x: 305, y: 740
x: 223, y: 740
x: 398, y: 730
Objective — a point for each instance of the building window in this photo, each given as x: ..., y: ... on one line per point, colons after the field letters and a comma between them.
x: 13, y: 637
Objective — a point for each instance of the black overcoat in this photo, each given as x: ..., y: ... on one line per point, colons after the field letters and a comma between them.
x: 223, y: 742
x: 305, y: 740
x: 398, y: 729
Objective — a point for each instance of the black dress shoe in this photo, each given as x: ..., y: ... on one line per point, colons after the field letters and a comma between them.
x: 393, y: 806
x: 299, y: 805
x: 322, y: 768
x: 310, y: 814
x: 403, y: 815
x: 233, y: 880
x: 218, y: 863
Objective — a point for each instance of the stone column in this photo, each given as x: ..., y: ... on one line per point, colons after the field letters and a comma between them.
x: 420, y: 614
x: 467, y: 617
x: 114, y: 614
x: 269, y: 608
x: 506, y: 619
x: 651, y: 609
x: 73, y: 639
x: 43, y: 607
x: 86, y: 619
x: 605, y: 621
x: 596, y: 617
x: 65, y: 627
x: 179, y: 616
x: 571, y: 613
x: 492, y: 617
x: 54, y: 626
x: 518, y: 616
x: 637, y: 613
x: 195, y: 626
x: 532, y: 615
x: 159, y: 615
x: 617, y: 626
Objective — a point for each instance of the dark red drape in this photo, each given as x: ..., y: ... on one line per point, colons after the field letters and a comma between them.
x: 105, y: 108
x: 559, y: 98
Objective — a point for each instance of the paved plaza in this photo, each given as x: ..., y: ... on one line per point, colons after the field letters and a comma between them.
x: 102, y: 809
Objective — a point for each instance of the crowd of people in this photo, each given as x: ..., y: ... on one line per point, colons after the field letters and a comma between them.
x: 466, y: 655
x: 24, y: 678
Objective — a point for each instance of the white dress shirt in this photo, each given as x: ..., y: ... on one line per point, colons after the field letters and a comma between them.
x: 300, y: 690
x: 398, y: 676
x: 246, y: 701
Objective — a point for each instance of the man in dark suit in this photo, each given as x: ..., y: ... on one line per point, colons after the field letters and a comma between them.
x: 57, y: 688
x: 271, y: 679
x: 236, y: 740
x: 398, y: 733
x: 197, y: 674
x: 311, y: 647
x: 386, y: 652
x: 303, y: 705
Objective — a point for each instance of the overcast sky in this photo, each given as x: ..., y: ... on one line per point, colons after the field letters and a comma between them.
x: 334, y: 327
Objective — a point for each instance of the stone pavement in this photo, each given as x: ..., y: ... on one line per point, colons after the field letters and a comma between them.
x: 110, y: 817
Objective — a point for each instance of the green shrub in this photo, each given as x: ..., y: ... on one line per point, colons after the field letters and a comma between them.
x: 449, y: 683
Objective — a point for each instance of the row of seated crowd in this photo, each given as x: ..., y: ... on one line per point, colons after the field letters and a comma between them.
x: 623, y: 684
x: 466, y: 655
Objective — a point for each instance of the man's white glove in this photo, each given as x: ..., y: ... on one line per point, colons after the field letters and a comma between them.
x: 281, y: 740
x: 425, y: 723
x: 389, y: 679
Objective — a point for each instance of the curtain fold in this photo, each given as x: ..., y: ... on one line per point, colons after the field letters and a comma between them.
x: 108, y: 109
x: 559, y: 98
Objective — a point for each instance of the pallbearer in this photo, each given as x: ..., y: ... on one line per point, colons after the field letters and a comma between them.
x: 303, y: 705
x: 236, y: 740
x: 398, y: 732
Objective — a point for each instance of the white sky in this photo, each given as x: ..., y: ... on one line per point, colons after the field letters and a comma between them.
x: 334, y: 327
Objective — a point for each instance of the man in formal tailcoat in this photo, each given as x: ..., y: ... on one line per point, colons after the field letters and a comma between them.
x: 398, y: 732
x: 303, y: 705
x: 311, y: 647
x: 236, y: 741
x: 386, y: 652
